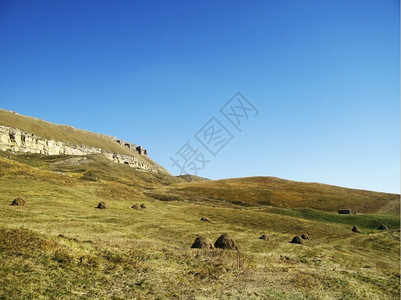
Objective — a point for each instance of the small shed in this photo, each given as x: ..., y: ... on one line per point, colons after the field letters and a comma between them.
x: 344, y: 211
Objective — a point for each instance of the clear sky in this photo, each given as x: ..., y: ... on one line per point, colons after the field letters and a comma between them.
x: 324, y: 77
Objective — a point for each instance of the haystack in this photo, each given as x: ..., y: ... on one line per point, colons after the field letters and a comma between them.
x: 18, y: 202
x: 356, y: 229
x: 143, y: 206
x: 225, y: 242
x: 382, y: 227
x: 263, y: 237
x: 102, y: 205
x: 296, y: 240
x: 304, y: 236
x: 136, y: 206
x: 202, y: 242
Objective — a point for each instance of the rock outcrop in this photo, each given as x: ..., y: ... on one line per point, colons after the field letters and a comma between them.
x: 132, y: 147
x: 16, y: 140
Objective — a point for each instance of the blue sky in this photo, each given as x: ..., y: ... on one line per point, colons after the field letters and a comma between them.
x: 323, y: 75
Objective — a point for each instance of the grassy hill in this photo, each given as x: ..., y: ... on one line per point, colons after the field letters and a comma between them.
x: 190, y: 178
x: 67, y: 134
x: 59, y: 246
x: 271, y: 191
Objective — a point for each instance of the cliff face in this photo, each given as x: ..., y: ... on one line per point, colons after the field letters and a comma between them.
x: 16, y: 140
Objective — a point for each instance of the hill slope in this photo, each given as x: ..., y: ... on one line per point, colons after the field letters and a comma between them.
x: 68, y: 134
x: 271, y: 191
x: 59, y: 246
x: 253, y: 191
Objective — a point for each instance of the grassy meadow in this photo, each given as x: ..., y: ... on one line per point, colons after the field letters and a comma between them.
x: 59, y: 246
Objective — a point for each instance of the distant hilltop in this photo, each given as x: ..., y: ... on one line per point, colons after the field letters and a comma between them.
x: 21, y: 134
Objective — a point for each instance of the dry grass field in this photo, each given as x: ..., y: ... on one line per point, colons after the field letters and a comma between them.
x: 59, y: 246
x: 271, y: 191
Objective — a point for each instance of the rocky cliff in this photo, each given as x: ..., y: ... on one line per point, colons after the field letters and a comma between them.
x: 17, y: 140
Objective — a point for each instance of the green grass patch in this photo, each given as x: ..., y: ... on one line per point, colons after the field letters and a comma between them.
x: 365, y: 221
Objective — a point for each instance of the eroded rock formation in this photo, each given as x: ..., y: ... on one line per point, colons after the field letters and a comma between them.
x: 16, y: 140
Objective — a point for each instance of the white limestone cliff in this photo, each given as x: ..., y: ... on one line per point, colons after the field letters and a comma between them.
x: 16, y: 140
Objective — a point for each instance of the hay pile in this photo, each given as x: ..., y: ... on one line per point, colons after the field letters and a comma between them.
x: 18, y: 202
x: 102, y: 205
x: 382, y: 227
x: 202, y: 242
x: 304, y: 236
x: 296, y: 240
x: 136, y: 206
x: 225, y: 242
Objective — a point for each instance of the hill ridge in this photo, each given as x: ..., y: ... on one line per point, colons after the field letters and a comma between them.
x: 24, y: 134
x: 273, y: 191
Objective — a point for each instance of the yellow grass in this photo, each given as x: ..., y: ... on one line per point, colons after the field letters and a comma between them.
x: 60, y: 247
x: 271, y: 191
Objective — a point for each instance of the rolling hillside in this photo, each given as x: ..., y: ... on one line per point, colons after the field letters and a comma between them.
x: 59, y: 246
x: 271, y: 191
